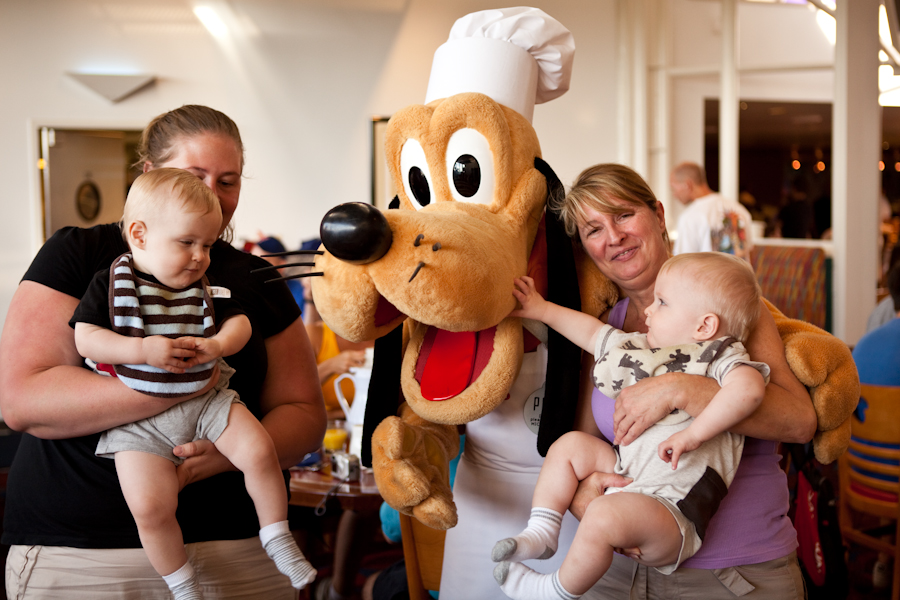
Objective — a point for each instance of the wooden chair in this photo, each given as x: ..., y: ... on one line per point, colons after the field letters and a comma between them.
x: 423, y: 551
x: 870, y: 476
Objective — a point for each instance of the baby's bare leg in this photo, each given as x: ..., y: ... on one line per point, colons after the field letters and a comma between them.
x: 570, y: 459
x: 622, y: 520
x: 150, y: 487
x: 247, y: 444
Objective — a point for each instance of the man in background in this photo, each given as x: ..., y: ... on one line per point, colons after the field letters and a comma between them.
x: 877, y: 358
x: 709, y: 222
x: 877, y: 354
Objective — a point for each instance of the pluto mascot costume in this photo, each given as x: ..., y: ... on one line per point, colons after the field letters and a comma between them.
x: 431, y: 281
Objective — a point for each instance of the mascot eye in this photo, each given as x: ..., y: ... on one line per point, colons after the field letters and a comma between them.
x: 418, y: 183
x: 466, y: 175
x: 470, y: 167
x: 414, y: 171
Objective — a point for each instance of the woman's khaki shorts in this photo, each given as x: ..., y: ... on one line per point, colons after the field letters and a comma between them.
x: 227, y: 569
x: 778, y: 579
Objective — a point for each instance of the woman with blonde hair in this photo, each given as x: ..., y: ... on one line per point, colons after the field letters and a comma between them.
x: 749, y: 547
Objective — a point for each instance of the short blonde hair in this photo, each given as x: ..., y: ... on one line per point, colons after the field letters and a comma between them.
x: 158, y: 189
x: 725, y: 284
x: 603, y: 187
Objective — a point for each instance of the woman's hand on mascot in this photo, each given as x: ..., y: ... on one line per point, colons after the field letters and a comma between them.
x: 591, y: 487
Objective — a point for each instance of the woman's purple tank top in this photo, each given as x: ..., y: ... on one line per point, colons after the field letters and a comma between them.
x: 751, y: 525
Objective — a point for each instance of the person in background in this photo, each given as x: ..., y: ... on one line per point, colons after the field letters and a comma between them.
x: 797, y: 215
x: 877, y: 358
x: 68, y: 525
x: 334, y: 354
x: 709, y: 222
x: 885, y: 312
x: 272, y: 245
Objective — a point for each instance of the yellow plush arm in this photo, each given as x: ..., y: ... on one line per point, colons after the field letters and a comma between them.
x: 824, y: 364
x: 410, y: 461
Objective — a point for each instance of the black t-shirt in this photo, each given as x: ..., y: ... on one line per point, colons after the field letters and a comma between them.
x: 59, y: 493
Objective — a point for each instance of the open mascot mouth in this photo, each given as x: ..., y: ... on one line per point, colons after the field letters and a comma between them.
x: 449, y: 361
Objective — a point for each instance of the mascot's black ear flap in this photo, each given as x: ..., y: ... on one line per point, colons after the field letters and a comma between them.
x: 384, y: 387
x: 563, y: 357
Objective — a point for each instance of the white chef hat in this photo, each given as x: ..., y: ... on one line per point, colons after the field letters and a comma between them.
x: 517, y: 56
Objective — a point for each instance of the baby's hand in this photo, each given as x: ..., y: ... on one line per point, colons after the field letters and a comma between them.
x: 165, y: 353
x: 677, y: 444
x: 533, y: 304
x: 205, y: 350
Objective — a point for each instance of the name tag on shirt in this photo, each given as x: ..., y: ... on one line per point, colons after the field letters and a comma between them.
x: 216, y: 291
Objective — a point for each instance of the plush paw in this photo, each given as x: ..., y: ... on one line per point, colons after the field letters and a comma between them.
x: 410, y: 461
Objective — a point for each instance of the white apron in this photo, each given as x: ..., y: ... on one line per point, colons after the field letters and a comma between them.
x: 494, y: 484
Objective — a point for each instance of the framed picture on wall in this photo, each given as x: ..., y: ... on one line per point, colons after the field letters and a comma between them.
x: 383, y: 190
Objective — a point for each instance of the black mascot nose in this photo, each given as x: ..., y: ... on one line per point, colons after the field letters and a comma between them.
x: 356, y: 233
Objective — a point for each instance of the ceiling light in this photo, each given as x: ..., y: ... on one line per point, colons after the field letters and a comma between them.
x: 211, y: 20
x: 113, y: 87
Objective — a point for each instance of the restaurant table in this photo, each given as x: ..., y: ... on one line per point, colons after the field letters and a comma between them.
x: 359, y: 502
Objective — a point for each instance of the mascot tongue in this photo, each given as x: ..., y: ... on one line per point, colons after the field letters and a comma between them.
x: 450, y: 361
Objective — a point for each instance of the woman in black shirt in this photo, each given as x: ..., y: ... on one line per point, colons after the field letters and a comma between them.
x: 64, y: 507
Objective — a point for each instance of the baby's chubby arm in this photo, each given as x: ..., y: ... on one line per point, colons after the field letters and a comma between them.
x: 105, y: 346
x: 233, y: 334
x: 578, y: 327
x: 741, y: 394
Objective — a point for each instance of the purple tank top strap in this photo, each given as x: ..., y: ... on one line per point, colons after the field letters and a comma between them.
x: 617, y: 314
x: 602, y: 406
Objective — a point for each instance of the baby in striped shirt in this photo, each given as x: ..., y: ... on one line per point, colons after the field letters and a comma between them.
x: 150, y: 321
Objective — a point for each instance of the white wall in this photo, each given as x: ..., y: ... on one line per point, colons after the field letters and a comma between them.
x: 302, y: 90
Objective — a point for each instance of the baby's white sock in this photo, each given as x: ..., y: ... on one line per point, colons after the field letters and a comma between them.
x: 539, y: 539
x: 281, y: 547
x: 522, y: 583
x: 184, y: 584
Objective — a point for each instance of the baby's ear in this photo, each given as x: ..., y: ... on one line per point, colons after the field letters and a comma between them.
x: 707, y: 327
x: 136, y: 234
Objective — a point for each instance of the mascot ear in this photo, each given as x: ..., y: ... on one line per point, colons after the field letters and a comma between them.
x: 385, y: 394
x: 384, y: 388
x: 563, y: 357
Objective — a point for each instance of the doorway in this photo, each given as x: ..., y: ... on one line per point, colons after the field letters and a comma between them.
x: 85, y: 175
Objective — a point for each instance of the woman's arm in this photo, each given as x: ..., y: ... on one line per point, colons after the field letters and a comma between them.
x: 44, y: 390
x: 786, y: 413
x: 292, y: 396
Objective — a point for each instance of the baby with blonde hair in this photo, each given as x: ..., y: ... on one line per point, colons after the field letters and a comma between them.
x: 151, y: 321
x: 704, y: 306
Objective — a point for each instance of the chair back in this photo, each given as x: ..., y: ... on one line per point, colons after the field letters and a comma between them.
x: 870, y: 469
x: 870, y: 476
x: 796, y: 280
x: 423, y: 552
